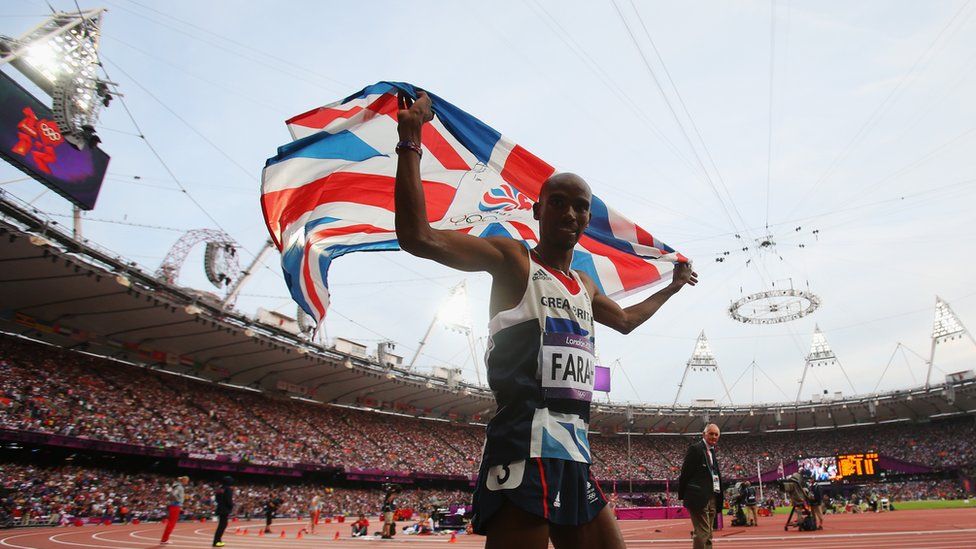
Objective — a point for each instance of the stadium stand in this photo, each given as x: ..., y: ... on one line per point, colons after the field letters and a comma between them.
x: 44, y: 389
x: 52, y: 494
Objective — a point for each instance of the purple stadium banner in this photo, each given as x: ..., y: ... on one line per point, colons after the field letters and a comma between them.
x: 601, y: 381
x: 33, y: 437
x: 892, y: 464
x: 238, y: 468
x: 379, y: 475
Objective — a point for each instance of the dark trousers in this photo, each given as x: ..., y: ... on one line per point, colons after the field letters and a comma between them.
x: 703, y: 521
x: 221, y: 526
x: 268, y: 517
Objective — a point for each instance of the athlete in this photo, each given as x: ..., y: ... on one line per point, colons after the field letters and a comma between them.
x: 177, y: 493
x: 314, y: 509
x: 535, y: 483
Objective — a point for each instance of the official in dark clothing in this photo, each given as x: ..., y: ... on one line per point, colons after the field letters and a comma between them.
x: 224, y: 496
x: 700, y: 486
x: 388, y: 509
x: 270, y: 510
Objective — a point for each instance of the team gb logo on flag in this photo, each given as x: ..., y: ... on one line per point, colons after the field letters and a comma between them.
x: 504, y: 198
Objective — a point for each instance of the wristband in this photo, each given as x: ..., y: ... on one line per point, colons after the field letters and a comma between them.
x: 411, y: 146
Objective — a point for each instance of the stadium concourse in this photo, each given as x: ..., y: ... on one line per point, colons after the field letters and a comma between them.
x: 113, y: 383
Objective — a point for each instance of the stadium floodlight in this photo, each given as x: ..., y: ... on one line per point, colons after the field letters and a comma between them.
x: 702, y: 360
x: 946, y: 327
x: 946, y: 324
x: 454, y: 314
x: 60, y: 56
x: 821, y: 355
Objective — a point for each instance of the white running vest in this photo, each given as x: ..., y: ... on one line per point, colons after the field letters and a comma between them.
x: 541, y: 368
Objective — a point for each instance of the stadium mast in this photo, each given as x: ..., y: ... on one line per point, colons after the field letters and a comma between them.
x: 702, y: 360
x: 454, y: 316
x: 821, y: 355
x: 945, y: 327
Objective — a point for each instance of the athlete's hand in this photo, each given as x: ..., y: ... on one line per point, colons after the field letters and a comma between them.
x: 683, y: 275
x: 413, y: 114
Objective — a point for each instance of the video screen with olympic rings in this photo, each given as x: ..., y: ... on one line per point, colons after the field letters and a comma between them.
x: 31, y: 140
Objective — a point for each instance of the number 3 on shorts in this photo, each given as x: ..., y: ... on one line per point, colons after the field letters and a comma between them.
x: 505, y: 477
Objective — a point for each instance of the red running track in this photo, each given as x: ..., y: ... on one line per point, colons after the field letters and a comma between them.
x: 933, y: 529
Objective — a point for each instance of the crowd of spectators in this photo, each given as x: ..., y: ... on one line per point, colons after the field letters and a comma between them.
x: 49, y: 390
x: 56, y: 391
x: 940, y: 445
x: 56, y: 494
x: 915, y: 490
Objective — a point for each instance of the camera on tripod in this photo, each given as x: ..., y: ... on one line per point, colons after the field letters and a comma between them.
x: 738, y: 495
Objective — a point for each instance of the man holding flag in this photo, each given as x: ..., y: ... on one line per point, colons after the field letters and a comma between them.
x: 535, y: 483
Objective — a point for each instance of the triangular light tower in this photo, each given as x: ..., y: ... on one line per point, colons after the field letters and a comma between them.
x: 454, y: 315
x: 946, y: 327
x: 702, y: 360
x: 821, y: 355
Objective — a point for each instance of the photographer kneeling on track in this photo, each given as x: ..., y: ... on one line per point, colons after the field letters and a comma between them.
x: 795, y: 488
x: 742, y: 504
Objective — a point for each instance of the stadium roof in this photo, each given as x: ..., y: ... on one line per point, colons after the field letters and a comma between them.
x: 72, y: 294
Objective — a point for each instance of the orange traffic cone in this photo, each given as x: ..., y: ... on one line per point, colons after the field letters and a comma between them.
x: 245, y: 532
x: 282, y: 534
x: 336, y: 535
x: 260, y: 533
x: 453, y: 538
x: 299, y: 536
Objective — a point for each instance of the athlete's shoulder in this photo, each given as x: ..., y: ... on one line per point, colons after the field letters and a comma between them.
x: 591, y: 286
x: 506, y: 244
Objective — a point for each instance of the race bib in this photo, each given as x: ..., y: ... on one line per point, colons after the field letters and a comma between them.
x: 505, y: 476
x: 567, y: 366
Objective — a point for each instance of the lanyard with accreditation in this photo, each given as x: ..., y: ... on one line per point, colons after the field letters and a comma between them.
x: 710, y: 461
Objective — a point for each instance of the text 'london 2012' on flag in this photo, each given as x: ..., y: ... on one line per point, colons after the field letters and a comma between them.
x: 330, y: 192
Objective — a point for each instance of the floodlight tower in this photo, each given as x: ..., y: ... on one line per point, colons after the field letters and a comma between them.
x: 453, y: 315
x: 821, y: 355
x: 946, y: 327
x: 60, y: 56
x: 702, y: 360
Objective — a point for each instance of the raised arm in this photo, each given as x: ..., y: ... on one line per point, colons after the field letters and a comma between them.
x: 624, y: 320
x: 451, y: 248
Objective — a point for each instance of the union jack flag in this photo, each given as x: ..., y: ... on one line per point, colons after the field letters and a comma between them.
x: 330, y: 192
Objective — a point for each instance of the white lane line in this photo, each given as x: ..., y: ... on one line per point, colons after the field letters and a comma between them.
x: 55, y: 539
x: 5, y: 541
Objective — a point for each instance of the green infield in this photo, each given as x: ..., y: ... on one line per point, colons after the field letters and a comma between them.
x: 922, y: 504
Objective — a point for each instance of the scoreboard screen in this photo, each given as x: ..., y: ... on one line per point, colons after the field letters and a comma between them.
x: 31, y: 141
x: 820, y: 468
x: 857, y: 465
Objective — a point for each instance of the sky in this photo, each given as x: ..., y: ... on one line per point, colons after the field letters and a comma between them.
x: 839, y: 131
